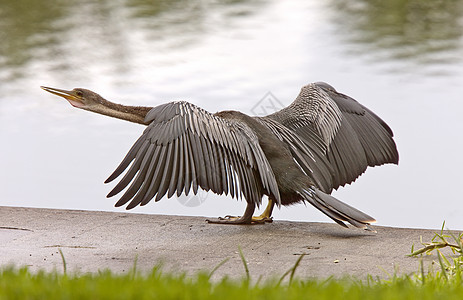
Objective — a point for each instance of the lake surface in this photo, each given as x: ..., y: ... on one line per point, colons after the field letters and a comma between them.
x: 402, y: 59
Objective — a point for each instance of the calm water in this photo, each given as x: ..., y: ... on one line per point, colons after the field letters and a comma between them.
x: 404, y: 60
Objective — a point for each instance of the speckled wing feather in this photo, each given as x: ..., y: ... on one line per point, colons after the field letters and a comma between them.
x: 314, y: 115
x: 186, y: 147
x: 334, y: 126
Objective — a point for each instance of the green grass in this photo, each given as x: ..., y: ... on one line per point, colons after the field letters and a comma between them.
x: 22, y: 284
x: 445, y: 282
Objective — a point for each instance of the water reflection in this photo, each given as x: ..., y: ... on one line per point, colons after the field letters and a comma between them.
x: 76, y: 38
x: 425, y: 32
x: 72, y: 37
x: 21, y: 22
x: 393, y: 56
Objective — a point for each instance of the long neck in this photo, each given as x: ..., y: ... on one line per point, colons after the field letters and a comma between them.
x: 135, y: 114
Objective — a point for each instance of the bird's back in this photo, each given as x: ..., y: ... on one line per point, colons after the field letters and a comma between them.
x: 288, y: 175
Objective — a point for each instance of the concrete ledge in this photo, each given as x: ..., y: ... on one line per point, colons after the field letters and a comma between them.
x: 93, y: 241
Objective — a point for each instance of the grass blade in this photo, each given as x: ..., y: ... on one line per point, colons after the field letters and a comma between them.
x: 218, y: 266
x: 245, y: 264
x: 442, y: 265
x: 423, y: 278
x: 64, y: 260
x: 293, y: 270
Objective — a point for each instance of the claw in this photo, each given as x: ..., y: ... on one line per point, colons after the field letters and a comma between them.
x: 230, y: 217
x: 239, y: 220
x: 229, y: 220
x: 227, y: 217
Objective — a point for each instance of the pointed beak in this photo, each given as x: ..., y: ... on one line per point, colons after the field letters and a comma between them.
x: 68, y: 95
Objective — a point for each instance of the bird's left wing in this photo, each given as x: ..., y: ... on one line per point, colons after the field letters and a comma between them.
x: 332, y: 125
x: 185, y: 147
x: 314, y: 116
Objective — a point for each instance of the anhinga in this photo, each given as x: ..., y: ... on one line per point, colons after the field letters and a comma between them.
x: 321, y: 141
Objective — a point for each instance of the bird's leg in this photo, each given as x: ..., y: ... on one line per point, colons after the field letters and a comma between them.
x: 266, y: 216
x: 246, y: 219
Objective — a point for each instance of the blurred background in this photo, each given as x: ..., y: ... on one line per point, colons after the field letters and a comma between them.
x: 402, y: 58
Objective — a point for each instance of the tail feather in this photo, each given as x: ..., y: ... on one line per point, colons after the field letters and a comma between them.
x: 339, y: 211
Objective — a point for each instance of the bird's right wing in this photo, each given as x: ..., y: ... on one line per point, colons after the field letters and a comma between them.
x: 185, y: 147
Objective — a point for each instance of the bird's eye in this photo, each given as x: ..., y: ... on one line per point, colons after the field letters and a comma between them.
x: 79, y: 93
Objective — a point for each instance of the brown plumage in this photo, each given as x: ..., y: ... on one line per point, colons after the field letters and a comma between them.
x: 323, y: 140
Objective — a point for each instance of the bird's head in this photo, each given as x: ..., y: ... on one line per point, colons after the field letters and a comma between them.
x: 91, y: 101
x: 78, y: 97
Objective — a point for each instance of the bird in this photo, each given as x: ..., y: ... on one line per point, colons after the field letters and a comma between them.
x: 322, y: 140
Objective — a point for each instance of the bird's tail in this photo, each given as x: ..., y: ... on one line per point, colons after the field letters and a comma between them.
x: 337, y: 210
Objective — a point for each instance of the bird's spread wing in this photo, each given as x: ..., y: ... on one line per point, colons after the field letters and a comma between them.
x: 363, y: 140
x: 337, y: 127
x: 186, y: 147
